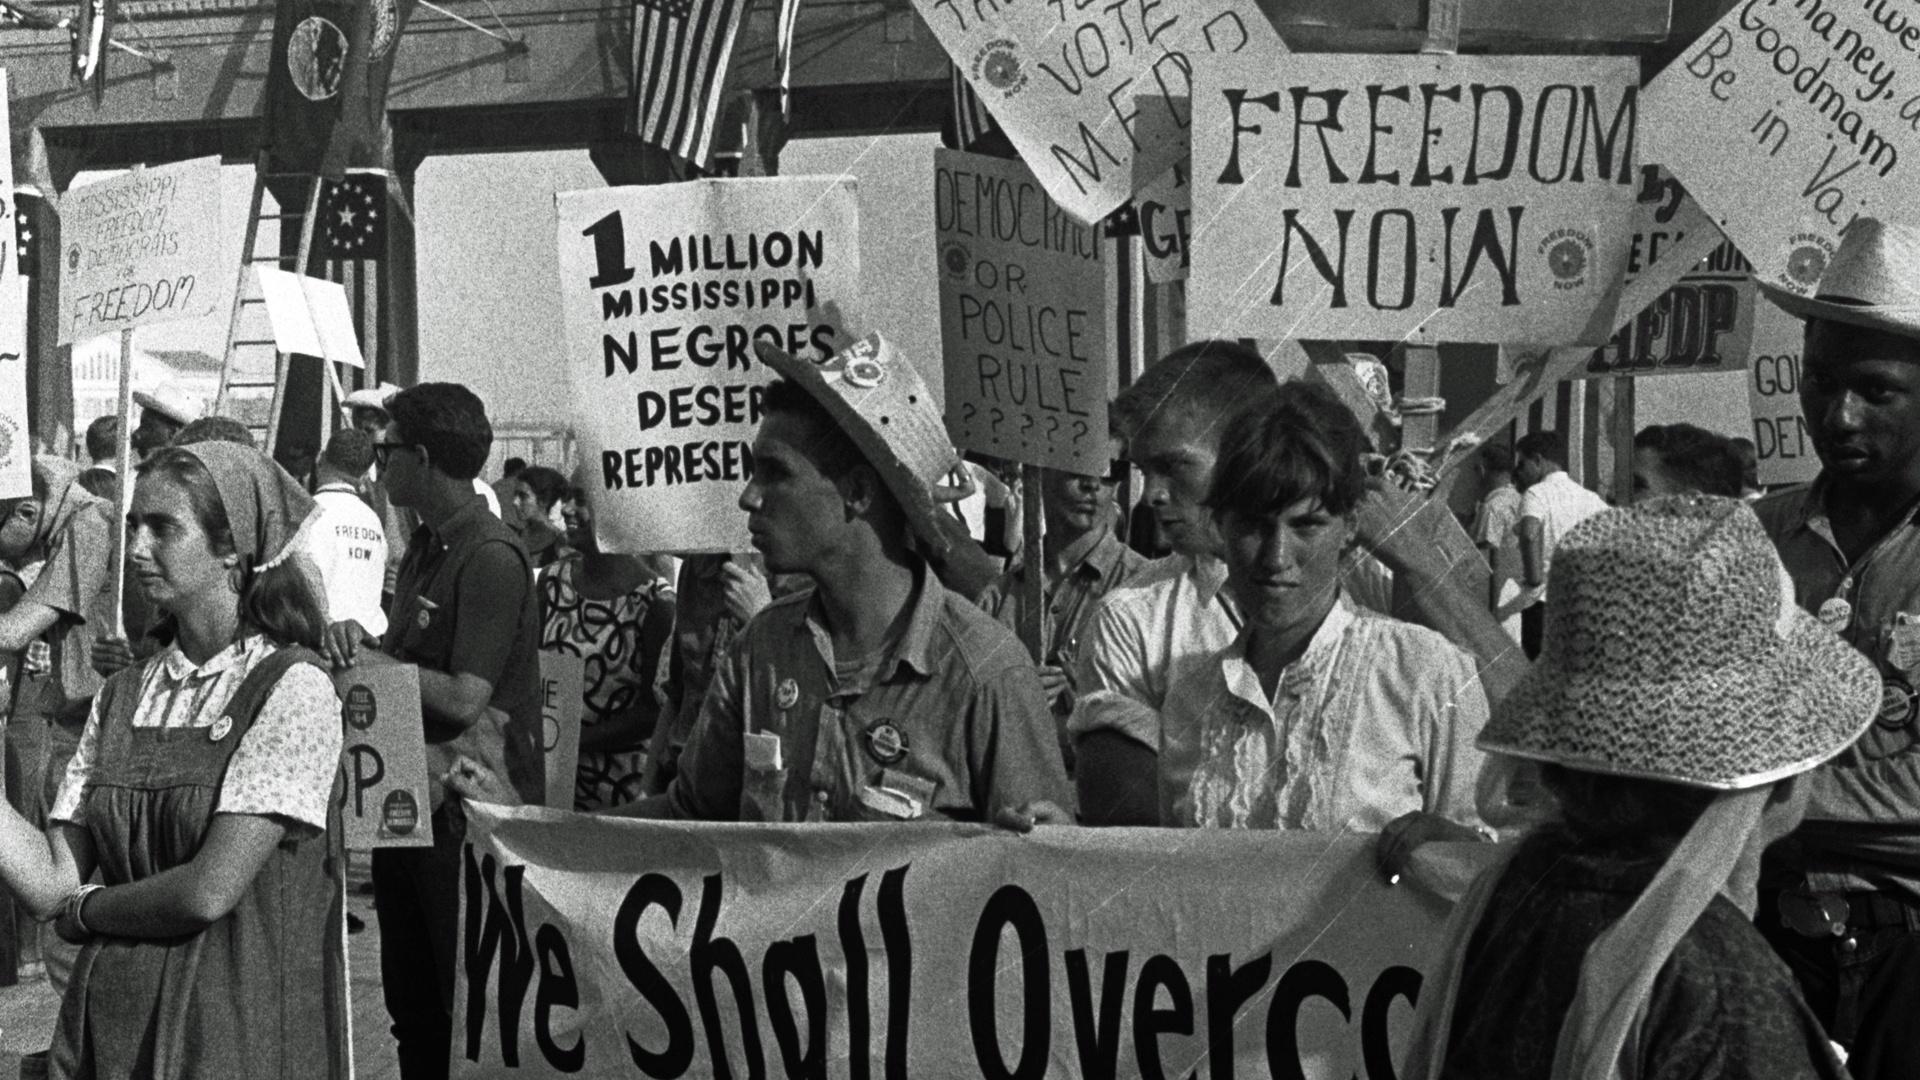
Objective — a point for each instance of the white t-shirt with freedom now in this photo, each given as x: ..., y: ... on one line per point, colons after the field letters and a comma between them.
x: 1558, y: 503
x: 349, y: 547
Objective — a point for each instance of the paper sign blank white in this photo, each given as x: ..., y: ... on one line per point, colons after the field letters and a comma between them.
x: 333, y: 321
x: 310, y: 316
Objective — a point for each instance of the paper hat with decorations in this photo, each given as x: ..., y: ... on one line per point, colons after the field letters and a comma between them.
x: 171, y: 402
x: 878, y: 399
x: 1872, y: 281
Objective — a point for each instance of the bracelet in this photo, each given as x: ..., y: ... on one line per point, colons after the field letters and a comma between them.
x: 77, y: 901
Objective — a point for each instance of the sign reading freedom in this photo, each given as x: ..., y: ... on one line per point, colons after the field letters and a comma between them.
x: 1421, y: 198
x: 603, y: 947
x: 141, y: 248
x: 664, y: 290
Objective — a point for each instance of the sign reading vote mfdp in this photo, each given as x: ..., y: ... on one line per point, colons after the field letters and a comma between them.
x: 384, y: 803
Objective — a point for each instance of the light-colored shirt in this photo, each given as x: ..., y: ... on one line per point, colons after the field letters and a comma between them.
x: 1143, y: 637
x: 1558, y: 503
x: 348, y: 547
x: 485, y: 492
x: 284, y: 765
x: 1096, y: 564
x: 1376, y: 719
x: 1496, y: 516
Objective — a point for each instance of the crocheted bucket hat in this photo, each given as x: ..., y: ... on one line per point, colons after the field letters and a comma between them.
x: 878, y: 399
x: 1674, y: 651
x: 1872, y: 281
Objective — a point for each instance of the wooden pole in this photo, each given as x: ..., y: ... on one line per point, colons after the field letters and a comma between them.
x: 1033, y: 583
x: 1622, y: 438
x: 123, y: 461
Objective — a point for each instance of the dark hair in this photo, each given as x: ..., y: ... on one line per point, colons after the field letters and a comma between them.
x: 831, y: 449
x: 1749, y: 458
x: 1696, y: 457
x: 512, y: 466
x: 1496, y: 458
x: 103, y: 437
x: 1546, y: 445
x: 279, y: 601
x: 450, y: 421
x: 214, y: 429
x: 1645, y: 814
x: 350, y: 451
x: 548, y: 486
x: 1214, y: 377
x: 1290, y: 444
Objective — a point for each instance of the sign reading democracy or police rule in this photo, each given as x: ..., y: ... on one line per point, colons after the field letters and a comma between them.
x: 1093, y: 95
x: 141, y: 248
x: 604, y: 947
x: 1022, y: 292
x: 1421, y: 198
x: 1780, y: 437
x: 562, y: 690
x: 385, y: 800
x: 665, y: 289
x: 1789, y: 119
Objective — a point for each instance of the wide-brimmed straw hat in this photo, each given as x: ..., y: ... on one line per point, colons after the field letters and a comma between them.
x: 1674, y: 651
x: 1873, y: 281
x: 879, y: 400
x: 371, y: 397
x: 171, y: 402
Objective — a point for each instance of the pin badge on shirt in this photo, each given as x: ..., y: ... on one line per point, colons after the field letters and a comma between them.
x: 219, y: 729
x: 1835, y: 614
x: 1897, y: 704
x: 425, y: 618
x: 886, y: 743
x: 787, y: 694
x: 1904, y: 650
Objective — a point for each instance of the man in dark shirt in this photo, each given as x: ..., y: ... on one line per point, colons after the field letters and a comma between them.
x: 464, y: 611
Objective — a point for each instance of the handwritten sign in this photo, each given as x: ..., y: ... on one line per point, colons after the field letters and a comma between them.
x: 1419, y: 198
x: 141, y: 248
x: 562, y: 690
x: 1780, y: 437
x: 665, y: 289
x: 1021, y: 318
x: 1788, y: 120
x: 1166, y: 213
x: 384, y: 804
x: 1093, y: 95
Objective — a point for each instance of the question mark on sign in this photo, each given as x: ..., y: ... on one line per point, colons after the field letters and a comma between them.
x: 968, y: 410
x: 1026, y: 424
x: 1079, y: 430
x: 995, y: 417
x: 1053, y: 428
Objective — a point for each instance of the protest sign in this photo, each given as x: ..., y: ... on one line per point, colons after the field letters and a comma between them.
x: 1787, y: 121
x: 562, y: 692
x: 16, y: 446
x: 384, y: 803
x: 141, y: 248
x: 599, y: 946
x: 1780, y: 436
x: 309, y: 316
x: 665, y: 289
x: 1022, y: 318
x: 1166, y: 213
x: 1418, y: 198
x: 1093, y: 96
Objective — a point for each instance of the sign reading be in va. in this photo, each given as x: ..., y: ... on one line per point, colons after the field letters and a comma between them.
x: 140, y: 248
x: 1422, y: 198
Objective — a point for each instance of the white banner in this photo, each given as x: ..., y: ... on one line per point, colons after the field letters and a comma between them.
x: 1418, y: 198
x: 665, y: 289
x: 141, y: 248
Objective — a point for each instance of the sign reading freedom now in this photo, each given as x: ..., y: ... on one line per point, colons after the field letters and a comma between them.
x: 600, y: 947
x: 1423, y: 198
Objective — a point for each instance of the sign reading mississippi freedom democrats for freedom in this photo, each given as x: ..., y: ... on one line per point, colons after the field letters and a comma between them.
x: 1790, y: 118
x: 1021, y: 318
x: 602, y: 947
x: 141, y: 248
x: 1093, y: 95
x: 384, y: 803
x: 1422, y: 198
x: 665, y: 290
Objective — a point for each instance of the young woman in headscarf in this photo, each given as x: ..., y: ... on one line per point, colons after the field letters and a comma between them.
x: 202, y: 792
x: 1679, y: 696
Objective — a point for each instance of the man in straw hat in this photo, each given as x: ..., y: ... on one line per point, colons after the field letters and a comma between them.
x: 164, y: 410
x: 1679, y: 697
x: 879, y: 694
x: 1843, y: 899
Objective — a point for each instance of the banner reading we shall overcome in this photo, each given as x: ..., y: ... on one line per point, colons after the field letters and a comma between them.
x: 665, y: 289
x: 1423, y: 198
x: 598, y: 947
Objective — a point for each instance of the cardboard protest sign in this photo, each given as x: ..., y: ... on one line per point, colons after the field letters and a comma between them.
x: 309, y: 316
x: 1420, y: 198
x: 665, y: 289
x: 16, y: 445
x: 562, y: 690
x: 1166, y: 213
x: 1080, y: 89
x: 940, y: 950
x: 1022, y: 318
x: 140, y: 249
x: 1780, y: 436
x: 1787, y: 121
x: 385, y: 801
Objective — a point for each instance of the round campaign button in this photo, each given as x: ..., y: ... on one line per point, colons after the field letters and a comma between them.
x: 1897, y: 704
x: 787, y: 694
x: 399, y: 814
x: 865, y: 374
x: 886, y: 743
x: 1835, y: 614
x: 359, y: 708
x: 219, y: 729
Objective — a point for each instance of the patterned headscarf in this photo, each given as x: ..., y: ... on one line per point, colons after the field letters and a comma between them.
x: 266, y: 507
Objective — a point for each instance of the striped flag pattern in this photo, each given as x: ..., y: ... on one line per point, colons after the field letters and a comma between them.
x: 971, y: 120
x: 680, y: 54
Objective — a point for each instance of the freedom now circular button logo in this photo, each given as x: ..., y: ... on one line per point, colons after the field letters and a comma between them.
x: 998, y: 64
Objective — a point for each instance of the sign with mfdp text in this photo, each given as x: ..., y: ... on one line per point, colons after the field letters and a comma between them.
x: 1420, y: 198
x: 1094, y: 95
x: 606, y: 947
x: 141, y: 248
x: 1781, y: 441
x: 384, y: 803
x: 665, y: 290
x: 1022, y: 292
x: 1788, y: 120
x: 562, y: 694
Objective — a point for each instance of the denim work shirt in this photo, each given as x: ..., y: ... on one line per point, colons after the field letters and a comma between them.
x: 950, y: 720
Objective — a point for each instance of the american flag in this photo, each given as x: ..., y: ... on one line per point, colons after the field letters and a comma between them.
x: 680, y: 53
x: 971, y: 120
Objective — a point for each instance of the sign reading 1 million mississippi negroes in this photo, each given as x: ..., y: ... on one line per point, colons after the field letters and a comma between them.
x: 141, y: 248
x: 665, y: 290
